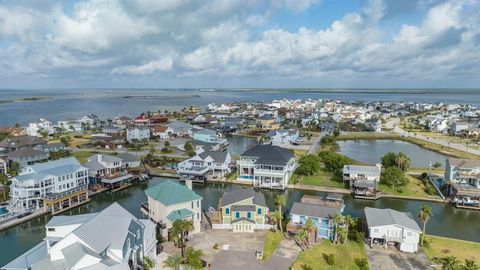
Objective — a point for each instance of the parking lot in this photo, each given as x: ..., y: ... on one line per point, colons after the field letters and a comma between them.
x: 392, y: 259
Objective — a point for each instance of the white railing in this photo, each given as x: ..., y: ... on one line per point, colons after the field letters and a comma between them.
x: 230, y: 227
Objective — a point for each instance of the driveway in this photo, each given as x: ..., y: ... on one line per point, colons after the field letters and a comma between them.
x: 392, y: 259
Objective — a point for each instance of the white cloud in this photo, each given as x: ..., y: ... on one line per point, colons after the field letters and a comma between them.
x: 164, y: 64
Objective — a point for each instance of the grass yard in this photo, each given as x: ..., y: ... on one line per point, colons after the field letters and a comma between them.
x: 321, y: 179
x: 74, y: 142
x: 232, y: 176
x: 443, y: 247
x: 82, y: 156
x: 300, y: 152
x: 415, y: 188
x: 271, y: 243
x: 344, y: 256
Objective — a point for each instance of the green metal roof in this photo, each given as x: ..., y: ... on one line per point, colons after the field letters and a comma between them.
x: 179, y: 214
x: 170, y: 192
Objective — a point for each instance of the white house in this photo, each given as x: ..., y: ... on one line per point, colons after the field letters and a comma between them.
x: 215, y: 163
x: 284, y: 137
x: 266, y: 166
x: 170, y: 201
x: 362, y: 179
x: 162, y: 132
x: 42, y: 184
x: 137, y: 134
x: 70, y: 125
x: 387, y: 225
x: 463, y: 176
x: 34, y: 129
x: 110, y: 239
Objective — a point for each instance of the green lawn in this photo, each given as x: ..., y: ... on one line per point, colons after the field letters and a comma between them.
x: 82, y: 156
x: 344, y: 254
x: 443, y: 247
x: 232, y: 176
x: 271, y: 243
x: 415, y: 188
x: 321, y: 179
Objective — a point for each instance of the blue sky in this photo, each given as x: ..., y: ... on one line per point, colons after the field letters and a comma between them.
x: 240, y: 43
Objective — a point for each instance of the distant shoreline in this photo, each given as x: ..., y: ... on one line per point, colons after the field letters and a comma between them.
x: 162, y: 96
x: 27, y: 99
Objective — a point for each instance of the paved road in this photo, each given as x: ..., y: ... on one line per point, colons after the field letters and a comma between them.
x: 392, y: 259
x: 316, y: 144
x: 393, y: 123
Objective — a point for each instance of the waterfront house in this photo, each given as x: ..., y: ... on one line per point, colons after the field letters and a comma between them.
x: 320, y: 210
x: 459, y: 127
x: 390, y: 226
x: 142, y: 119
x: 284, y: 137
x: 14, y: 143
x: 209, y: 136
x: 463, y: 180
x: 242, y: 210
x: 363, y: 180
x: 267, y: 122
x: 27, y: 156
x: 107, y: 170
x: 70, y: 125
x: 89, y: 120
x: 53, y: 185
x: 266, y: 166
x: 374, y: 125
x: 34, y: 129
x: 169, y: 201
x: 214, y: 164
x: 138, y: 134
x: 158, y: 119
x: 51, y: 147
x: 129, y: 160
x: 110, y: 239
x: 181, y: 129
x: 161, y: 132
x: 122, y: 120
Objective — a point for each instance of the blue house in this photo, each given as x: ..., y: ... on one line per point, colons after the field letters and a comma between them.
x: 320, y: 210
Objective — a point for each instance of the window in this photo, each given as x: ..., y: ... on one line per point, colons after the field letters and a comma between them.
x: 227, y: 211
x: 198, y: 203
x: 198, y: 215
x: 192, y: 204
x: 51, y: 229
x: 259, y: 211
x: 237, y: 214
x: 249, y: 214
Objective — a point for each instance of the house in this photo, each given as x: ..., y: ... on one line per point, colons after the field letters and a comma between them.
x: 459, y: 127
x: 374, y: 125
x: 463, y: 180
x: 107, y: 170
x: 142, y: 119
x: 122, y: 120
x: 242, y: 210
x: 89, y: 120
x: 27, y: 156
x: 129, y: 161
x: 158, y: 119
x: 3, y: 165
x: 181, y: 129
x: 110, y: 239
x: 213, y: 163
x: 51, y: 147
x: 267, y: 122
x: 320, y: 210
x: 266, y: 166
x: 170, y: 201
x: 113, y: 141
x: 162, y: 132
x: 53, y: 185
x: 209, y: 136
x: 284, y: 137
x: 70, y: 125
x: 363, y: 180
x: 388, y: 225
x: 14, y: 143
x: 137, y: 134
x: 34, y: 129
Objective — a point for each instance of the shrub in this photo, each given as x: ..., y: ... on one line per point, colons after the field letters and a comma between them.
x: 216, y: 246
x: 424, y: 176
x: 361, y: 263
x: 309, y: 165
x: 329, y: 258
x: 356, y: 236
x: 431, y: 190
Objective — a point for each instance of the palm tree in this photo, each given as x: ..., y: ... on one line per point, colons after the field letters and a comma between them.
x: 281, y: 201
x: 173, y: 262
x: 349, y: 222
x: 337, y: 219
x: 302, y: 236
x: 342, y: 234
x: 402, y: 161
x: 194, y: 257
x: 470, y: 265
x: 450, y: 263
x: 148, y: 264
x: 310, y: 227
x: 424, y: 215
x: 180, y: 228
x: 276, y: 217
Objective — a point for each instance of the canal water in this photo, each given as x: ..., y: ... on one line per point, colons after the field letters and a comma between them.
x: 446, y: 220
x: 238, y: 144
x: 371, y: 151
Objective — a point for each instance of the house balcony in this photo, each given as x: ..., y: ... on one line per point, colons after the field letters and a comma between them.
x: 194, y: 170
x: 278, y: 173
x: 54, y: 196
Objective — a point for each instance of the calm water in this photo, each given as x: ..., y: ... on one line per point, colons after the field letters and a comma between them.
x: 71, y: 103
x: 238, y: 144
x: 446, y: 220
x: 371, y: 151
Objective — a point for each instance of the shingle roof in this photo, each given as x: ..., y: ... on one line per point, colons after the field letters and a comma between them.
x: 206, y: 132
x: 127, y: 157
x: 217, y: 156
x: 170, y: 192
x: 243, y: 208
x: 313, y: 210
x: 26, y: 152
x: 179, y: 214
x: 242, y: 194
x: 381, y: 217
x: 269, y: 154
x: 464, y: 162
x: 361, y: 169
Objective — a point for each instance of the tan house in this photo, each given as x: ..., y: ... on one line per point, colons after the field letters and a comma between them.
x: 169, y: 201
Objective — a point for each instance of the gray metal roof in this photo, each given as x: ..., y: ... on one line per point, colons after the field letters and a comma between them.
x: 69, y: 220
x: 127, y: 157
x: 241, y: 194
x: 382, y: 217
x: 361, y: 169
x: 269, y: 154
x: 33, y: 255
x: 313, y: 210
x: 76, y: 252
x: 250, y: 208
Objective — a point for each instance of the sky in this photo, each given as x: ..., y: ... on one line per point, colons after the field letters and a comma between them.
x: 240, y: 43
